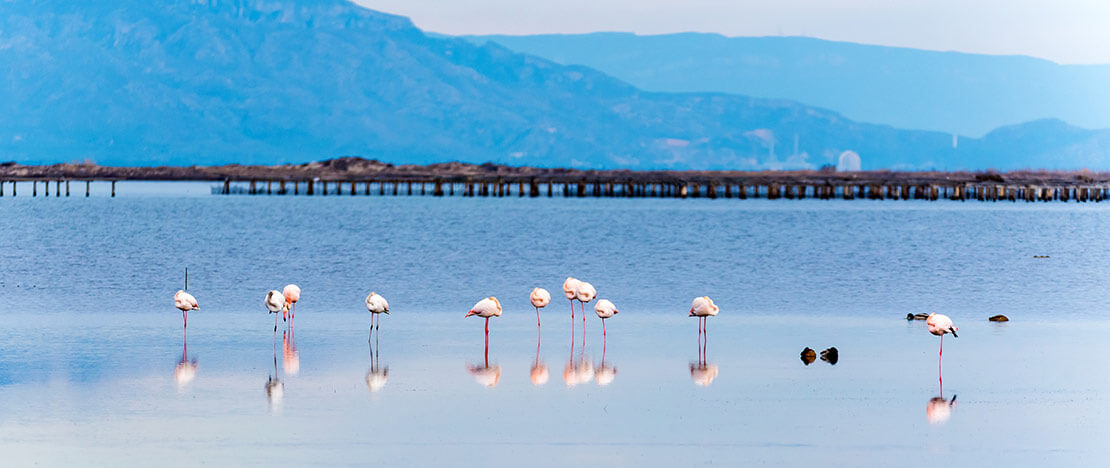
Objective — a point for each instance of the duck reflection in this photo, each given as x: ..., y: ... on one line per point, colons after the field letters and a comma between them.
x: 290, y: 360
x: 185, y: 370
x: 485, y: 374
x: 703, y: 372
x: 275, y: 389
x: 539, y: 374
x: 377, y: 375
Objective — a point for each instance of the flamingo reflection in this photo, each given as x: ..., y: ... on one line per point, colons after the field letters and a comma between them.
x: 539, y: 374
x: 185, y: 370
x: 938, y: 410
x: 377, y: 375
x: 485, y: 374
x: 703, y: 372
x: 605, y: 372
x: 582, y: 371
x: 290, y: 359
x: 275, y: 389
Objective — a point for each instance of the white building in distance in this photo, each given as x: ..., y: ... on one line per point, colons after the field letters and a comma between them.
x: 848, y: 162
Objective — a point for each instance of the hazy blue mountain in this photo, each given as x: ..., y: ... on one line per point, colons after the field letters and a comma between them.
x: 275, y: 81
x: 951, y: 92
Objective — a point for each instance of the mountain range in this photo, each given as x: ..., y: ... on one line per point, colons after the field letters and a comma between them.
x: 283, y: 81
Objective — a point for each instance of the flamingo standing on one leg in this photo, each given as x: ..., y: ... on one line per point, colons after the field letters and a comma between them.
x: 541, y: 298
x: 275, y: 303
x: 486, y: 308
x: 376, y: 304
x: 605, y: 309
x: 292, y: 294
x: 585, y: 293
x: 185, y: 302
x: 939, y: 325
x: 703, y: 308
x: 570, y: 290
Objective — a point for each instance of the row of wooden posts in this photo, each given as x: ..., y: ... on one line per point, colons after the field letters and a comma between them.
x: 58, y: 184
x: 598, y: 188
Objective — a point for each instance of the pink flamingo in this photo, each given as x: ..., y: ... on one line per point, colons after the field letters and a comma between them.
x: 486, y: 308
x: 939, y: 325
x: 541, y: 298
x: 703, y: 308
x: 292, y: 294
x: 605, y: 309
x: 185, y: 302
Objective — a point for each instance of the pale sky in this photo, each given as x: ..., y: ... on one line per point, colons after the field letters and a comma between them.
x: 1064, y: 31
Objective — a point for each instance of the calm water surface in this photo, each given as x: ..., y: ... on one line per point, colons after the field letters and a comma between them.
x: 95, y: 367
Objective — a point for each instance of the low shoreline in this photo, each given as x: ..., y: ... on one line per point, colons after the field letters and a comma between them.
x: 354, y: 176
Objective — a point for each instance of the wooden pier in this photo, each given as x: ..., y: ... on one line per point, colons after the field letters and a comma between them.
x: 362, y: 177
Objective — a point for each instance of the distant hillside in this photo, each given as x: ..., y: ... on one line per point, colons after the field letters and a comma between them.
x: 946, y: 91
x: 157, y: 82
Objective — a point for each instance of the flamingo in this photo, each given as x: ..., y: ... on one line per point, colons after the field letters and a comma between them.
x: 541, y: 298
x: 185, y: 302
x: 703, y: 308
x: 275, y: 303
x: 585, y: 293
x: 939, y: 325
x: 605, y: 309
x: 486, y: 308
x: 570, y: 290
x: 376, y: 304
x: 292, y: 294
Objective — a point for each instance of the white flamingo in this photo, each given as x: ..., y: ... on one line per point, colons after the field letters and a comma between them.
x: 377, y: 305
x: 939, y: 325
x: 275, y: 303
x: 585, y: 293
x: 185, y: 302
x: 570, y: 290
x: 541, y: 298
x: 605, y: 309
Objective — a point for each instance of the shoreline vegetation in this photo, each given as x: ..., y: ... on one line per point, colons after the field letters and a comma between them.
x: 360, y: 174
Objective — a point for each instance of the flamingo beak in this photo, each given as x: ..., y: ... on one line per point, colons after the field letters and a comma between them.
x: 615, y: 312
x: 470, y: 312
x: 954, y: 332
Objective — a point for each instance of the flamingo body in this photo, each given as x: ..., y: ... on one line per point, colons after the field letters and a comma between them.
x: 605, y: 309
x: 703, y: 307
x: 292, y: 294
x: 940, y: 324
x: 377, y: 304
x: 486, y: 308
x: 540, y: 297
x: 185, y: 301
x: 570, y: 288
x: 585, y: 292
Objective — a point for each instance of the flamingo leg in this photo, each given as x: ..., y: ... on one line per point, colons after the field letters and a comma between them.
x: 537, y: 316
x: 583, y: 318
x: 572, y: 311
x: 185, y: 316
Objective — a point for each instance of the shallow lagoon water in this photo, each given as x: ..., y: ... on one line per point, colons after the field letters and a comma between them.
x: 91, y: 344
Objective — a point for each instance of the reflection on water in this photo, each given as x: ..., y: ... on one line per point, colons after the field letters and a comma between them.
x: 938, y: 410
x: 185, y: 370
x: 377, y: 375
x: 275, y: 389
x: 704, y: 372
x: 539, y: 373
x: 290, y: 360
x: 606, y: 372
x: 485, y: 374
